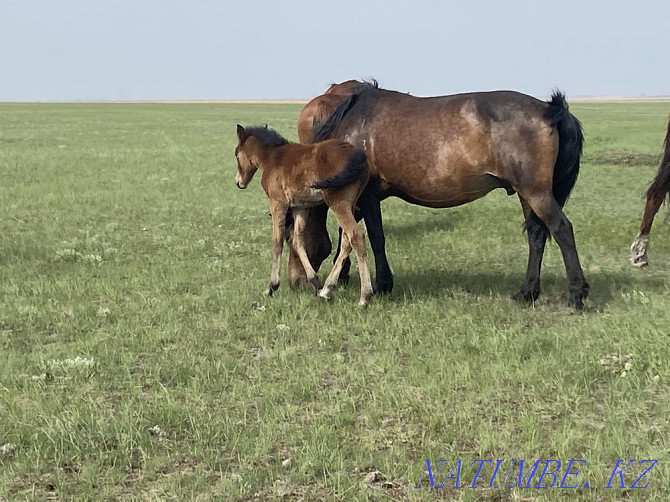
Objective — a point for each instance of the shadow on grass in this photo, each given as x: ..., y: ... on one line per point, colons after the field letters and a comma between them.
x: 435, y: 282
x: 422, y: 224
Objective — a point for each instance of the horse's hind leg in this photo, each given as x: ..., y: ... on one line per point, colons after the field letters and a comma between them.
x: 345, y: 218
x: 537, y: 238
x: 552, y: 215
x: 344, y: 249
x: 300, y: 219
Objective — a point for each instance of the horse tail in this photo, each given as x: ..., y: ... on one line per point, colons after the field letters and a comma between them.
x: 354, y: 170
x: 323, y: 129
x: 570, y: 143
x: 660, y: 186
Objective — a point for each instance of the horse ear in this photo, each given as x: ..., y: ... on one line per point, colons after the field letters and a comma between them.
x: 266, y: 126
x: 241, y: 133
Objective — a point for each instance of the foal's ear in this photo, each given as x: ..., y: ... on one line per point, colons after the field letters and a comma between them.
x: 241, y: 134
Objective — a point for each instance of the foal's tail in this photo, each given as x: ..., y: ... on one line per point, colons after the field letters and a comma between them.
x: 354, y: 170
x: 570, y: 142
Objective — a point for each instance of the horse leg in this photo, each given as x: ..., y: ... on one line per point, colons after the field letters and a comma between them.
x: 300, y: 219
x: 278, y: 211
x: 356, y: 237
x: 332, y: 280
x: 370, y: 205
x: 343, y: 279
x: 655, y: 196
x: 548, y: 210
x: 537, y: 238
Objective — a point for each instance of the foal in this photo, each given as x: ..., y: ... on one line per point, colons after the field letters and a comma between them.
x: 299, y: 177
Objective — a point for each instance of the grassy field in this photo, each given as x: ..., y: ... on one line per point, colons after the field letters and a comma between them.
x: 134, y: 367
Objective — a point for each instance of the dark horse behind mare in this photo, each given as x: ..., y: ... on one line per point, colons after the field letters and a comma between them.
x: 450, y: 150
x: 657, y: 192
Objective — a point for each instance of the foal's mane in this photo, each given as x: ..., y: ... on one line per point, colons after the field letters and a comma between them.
x: 267, y: 137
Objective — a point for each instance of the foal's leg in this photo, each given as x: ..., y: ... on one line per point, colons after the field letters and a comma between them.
x: 546, y: 207
x: 345, y: 218
x: 300, y: 217
x: 343, y: 278
x: 332, y: 279
x: 537, y: 238
x: 278, y: 211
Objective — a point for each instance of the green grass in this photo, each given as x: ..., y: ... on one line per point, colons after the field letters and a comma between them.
x: 124, y: 241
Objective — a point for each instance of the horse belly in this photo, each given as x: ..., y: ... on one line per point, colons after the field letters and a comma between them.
x: 305, y: 198
x: 446, y: 191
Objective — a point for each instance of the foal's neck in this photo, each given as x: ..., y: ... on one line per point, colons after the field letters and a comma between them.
x: 269, y: 158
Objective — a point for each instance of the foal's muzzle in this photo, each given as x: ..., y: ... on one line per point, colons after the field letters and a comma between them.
x: 240, y: 185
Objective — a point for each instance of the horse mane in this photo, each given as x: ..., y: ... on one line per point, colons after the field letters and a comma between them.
x: 322, y: 131
x: 267, y: 137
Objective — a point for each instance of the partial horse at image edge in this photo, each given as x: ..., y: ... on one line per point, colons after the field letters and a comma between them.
x: 656, y: 194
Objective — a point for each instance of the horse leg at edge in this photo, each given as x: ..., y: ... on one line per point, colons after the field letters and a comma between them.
x: 638, y: 250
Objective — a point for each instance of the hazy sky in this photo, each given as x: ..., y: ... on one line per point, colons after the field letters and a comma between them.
x: 198, y: 49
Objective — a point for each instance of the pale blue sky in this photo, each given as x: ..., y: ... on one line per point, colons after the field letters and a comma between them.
x: 200, y: 49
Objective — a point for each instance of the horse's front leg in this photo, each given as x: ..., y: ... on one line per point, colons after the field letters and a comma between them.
x: 278, y: 211
x: 370, y: 205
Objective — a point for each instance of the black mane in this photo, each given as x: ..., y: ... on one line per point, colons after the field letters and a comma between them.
x: 267, y: 137
x: 322, y: 131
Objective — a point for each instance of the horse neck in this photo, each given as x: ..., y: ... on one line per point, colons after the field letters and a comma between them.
x: 268, y: 157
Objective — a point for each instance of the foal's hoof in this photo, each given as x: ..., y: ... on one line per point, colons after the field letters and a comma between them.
x: 325, y: 295
x: 363, y: 303
x: 271, y: 289
x: 524, y: 297
x: 316, y: 284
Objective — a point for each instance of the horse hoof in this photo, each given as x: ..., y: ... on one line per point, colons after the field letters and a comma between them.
x: 526, y: 297
x: 363, y: 303
x: 383, y: 286
x: 639, y: 261
x: 325, y: 295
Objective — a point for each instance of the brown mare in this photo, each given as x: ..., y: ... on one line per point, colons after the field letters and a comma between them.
x: 655, y: 195
x: 299, y: 177
x: 450, y: 150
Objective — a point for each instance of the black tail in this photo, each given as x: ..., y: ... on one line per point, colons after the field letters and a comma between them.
x: 570, y: 142
x: 322, y: 130
x: 355, y: 169
x: 566, y: 169
x: 661, y: 183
